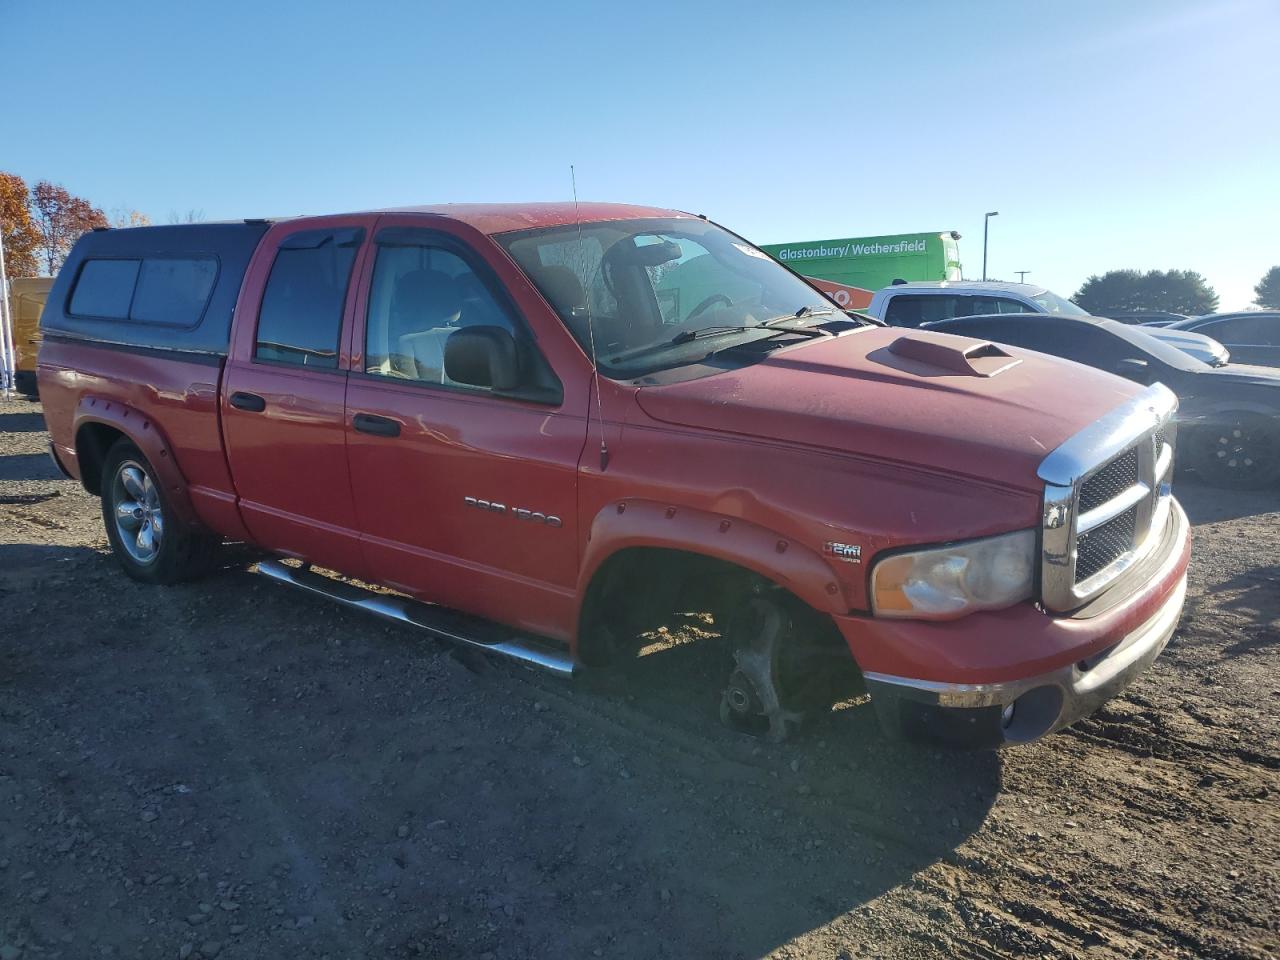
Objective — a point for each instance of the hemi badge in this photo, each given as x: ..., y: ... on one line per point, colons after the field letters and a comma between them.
x: 848, y: 552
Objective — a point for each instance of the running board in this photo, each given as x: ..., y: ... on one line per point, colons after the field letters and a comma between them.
x: 440, y: 622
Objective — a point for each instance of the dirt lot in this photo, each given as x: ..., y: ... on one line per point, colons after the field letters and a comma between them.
x: 230, y: 769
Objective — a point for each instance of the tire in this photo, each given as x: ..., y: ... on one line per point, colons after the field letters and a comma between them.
x: 25, y: 383
x: 151, y: 543
x: 1241, y: 452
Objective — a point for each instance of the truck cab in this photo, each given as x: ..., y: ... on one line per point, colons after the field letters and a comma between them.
x: 541, y: 428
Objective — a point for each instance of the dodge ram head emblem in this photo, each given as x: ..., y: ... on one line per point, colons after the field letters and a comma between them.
x: 520, y: 513
x: 848, y: 552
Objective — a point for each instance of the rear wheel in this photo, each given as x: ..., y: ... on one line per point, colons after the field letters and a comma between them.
x: 150, y: 542
x: 1242, y: 451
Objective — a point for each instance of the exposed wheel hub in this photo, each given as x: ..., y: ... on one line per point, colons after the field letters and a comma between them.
x: 740, y: 696
x: 752, y: 700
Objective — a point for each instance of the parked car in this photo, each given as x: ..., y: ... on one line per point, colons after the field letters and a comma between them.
x: 1228, y: 417
x: 545, y: 429
x: 915, y: 304
x: 1252, y: 336
x: 1153, y: 317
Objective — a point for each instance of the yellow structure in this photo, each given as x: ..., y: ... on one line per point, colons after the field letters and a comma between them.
x: 27, y: 296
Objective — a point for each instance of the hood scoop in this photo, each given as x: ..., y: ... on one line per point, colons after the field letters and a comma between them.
x: 977, y: 358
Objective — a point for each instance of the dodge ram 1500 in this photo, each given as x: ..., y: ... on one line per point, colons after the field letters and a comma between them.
x: 539, y: 429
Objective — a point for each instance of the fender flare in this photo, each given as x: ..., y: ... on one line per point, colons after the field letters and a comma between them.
x: 147, y: 435
x: 622, y: 524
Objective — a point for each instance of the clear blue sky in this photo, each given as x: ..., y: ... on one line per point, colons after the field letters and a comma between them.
x: 1137, y: 134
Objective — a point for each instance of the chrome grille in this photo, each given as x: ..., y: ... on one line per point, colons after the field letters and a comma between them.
x: 1109, y: 482
x: 1106, y: 490
x: 1102, y: 546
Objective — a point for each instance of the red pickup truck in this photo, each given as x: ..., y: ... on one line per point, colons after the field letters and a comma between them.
x: 541, y: 429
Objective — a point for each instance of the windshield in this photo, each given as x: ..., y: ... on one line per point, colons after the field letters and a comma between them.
x: 661, y: 293
x: 1052, y: 303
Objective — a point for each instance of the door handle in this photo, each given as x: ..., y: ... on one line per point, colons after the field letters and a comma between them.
x: 378, y: 426
x: 248, y: 401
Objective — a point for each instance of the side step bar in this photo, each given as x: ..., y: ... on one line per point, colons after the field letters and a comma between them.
x: 440, y: 622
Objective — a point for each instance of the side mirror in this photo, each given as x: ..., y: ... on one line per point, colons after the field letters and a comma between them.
x: 482, y: 357
x: 1131, y: 368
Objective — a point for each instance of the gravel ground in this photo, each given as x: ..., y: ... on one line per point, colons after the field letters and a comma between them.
x: 230, y: 769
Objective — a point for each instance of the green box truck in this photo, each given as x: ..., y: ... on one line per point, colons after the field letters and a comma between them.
x: 851, y: 270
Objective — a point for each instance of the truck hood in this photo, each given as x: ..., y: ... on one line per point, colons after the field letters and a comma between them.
x: 870, y: 394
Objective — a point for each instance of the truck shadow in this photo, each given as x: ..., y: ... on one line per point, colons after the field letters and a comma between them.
x: 26, y: 567
x: 1255, y: 596
x: 624, y: 788
x: 28, y: 466
x: 1206, y: 504
x: 612, y: 813
x: 775, y: 840
x: 21, y: 422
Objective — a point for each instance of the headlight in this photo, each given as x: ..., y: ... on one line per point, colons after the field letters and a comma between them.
x: 946, y: 582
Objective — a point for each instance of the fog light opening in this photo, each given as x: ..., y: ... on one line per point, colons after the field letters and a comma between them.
x: 1031, y: 715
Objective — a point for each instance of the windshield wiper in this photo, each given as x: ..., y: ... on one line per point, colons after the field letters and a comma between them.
x: 798, y: 315
x: 688, y: 336
x: 684, y: 336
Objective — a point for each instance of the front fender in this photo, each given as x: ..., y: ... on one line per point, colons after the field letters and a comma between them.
x: 147, y: 435
x: 645, y: 523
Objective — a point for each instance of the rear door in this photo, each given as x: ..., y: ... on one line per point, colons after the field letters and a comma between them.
x: 465, y: 497
x: 284, y: 392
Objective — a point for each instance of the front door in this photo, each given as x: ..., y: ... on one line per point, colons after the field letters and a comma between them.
x: 284, y: 393
x: 465, y: 496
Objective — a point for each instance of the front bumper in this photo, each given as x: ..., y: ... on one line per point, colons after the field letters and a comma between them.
x: 1051, y: 670
x: 973, y: 714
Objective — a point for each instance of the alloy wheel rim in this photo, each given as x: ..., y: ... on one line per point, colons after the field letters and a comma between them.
x: 1236, y: 452
x: 138, y: 515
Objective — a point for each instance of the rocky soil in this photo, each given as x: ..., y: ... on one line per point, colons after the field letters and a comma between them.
x: 230, y: 769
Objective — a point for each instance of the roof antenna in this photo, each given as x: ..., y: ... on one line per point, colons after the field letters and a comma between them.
x: 591, y: 331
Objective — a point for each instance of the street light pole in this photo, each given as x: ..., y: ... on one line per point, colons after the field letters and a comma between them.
x: 985, y: 223
x: 1022, y: 275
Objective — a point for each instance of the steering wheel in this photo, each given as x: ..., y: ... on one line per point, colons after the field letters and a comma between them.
x: 707, y: 303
